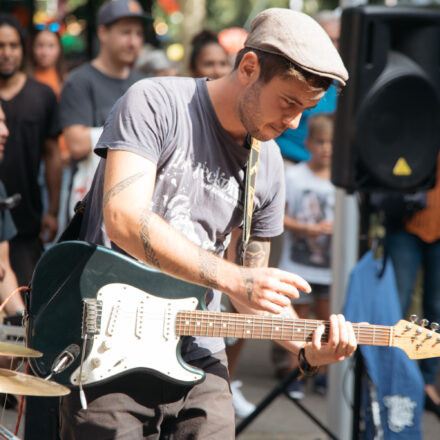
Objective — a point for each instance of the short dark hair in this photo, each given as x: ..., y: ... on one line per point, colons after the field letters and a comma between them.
x: 9, y: 20
x: 272, y: 65
x: 204, y: 38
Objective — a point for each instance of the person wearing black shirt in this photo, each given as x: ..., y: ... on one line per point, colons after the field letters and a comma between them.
x: 32, y: 117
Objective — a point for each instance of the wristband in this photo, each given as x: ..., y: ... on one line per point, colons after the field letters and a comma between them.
x: 303, y: 365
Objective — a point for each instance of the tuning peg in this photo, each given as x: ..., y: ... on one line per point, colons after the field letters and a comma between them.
x: 424, y: 322
x: 413, y: 318
x: 434, y: 326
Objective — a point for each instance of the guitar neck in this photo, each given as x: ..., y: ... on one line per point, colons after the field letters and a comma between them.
x: 235, y: 325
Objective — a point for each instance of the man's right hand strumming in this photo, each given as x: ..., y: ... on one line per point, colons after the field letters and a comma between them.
x: 267, y: 289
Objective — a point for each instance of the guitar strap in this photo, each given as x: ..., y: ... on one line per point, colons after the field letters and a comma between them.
x: 250, y: 180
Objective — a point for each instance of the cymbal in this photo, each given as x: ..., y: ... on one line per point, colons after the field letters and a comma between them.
x: 7, y: 349
x: 13, y: 382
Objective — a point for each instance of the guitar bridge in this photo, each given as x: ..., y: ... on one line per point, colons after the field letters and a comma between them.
x: 91, y: 320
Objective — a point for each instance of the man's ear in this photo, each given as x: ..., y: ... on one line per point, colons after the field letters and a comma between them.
x: 248, y: 70
x: 102, y: 33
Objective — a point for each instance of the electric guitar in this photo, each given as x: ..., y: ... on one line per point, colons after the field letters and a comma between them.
x: 129, y: 317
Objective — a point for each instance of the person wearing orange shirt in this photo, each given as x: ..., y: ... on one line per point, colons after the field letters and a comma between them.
x: 46, y: 65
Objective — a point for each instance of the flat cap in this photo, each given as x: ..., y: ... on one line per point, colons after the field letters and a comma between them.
x: 300, y: 39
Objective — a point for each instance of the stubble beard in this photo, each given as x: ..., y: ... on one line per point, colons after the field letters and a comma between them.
x: 7, y: 75
x: 250, y: 114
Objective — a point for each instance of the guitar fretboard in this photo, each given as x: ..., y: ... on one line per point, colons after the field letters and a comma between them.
x: 217, y: 324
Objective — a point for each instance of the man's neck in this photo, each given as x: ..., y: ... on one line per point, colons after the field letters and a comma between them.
x: 10, y: 87
x: 225, y: 106
x: 106, y: 65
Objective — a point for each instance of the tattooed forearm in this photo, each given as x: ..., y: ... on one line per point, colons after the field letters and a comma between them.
x: 144, y: 233
x: 112, y: 192
x: 248, y: 282
x: 257, y: 253
x: 208, y: 270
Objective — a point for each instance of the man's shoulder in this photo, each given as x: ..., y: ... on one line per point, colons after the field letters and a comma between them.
x: 36, y: 87
x: 167, y: 83
x: 170, y: 89
x: 135, y: 76
x: 83, y: 73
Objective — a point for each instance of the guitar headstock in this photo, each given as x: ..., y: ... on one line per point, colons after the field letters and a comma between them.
x: 417, y: 341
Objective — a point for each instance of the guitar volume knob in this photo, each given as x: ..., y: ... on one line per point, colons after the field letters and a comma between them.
x: 96, y: 362
x: 106, y: 344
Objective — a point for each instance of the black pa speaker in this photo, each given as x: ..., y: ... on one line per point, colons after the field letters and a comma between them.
x: 387, y: 129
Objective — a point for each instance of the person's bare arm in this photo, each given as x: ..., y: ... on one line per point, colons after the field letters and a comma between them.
x: 306, y: 229
x: 341, y: 343
x: 129, y: 222
x: 78, y: 139
x: 9, y: 282
x: 53, y: 174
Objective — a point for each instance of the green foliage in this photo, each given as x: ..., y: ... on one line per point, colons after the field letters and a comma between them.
x: 221, y: 14
x: 226, y: 13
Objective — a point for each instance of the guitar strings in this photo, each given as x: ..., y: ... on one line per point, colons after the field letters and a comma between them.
x: 262, y: 326
x: 286, y: 324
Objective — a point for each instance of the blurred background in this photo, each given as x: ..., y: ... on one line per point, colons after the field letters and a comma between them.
x: 176, y: 21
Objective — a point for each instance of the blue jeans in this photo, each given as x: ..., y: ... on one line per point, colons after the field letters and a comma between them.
x: 408, y: 253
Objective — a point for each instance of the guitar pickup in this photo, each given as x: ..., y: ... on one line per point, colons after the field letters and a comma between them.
x: 139, y: 320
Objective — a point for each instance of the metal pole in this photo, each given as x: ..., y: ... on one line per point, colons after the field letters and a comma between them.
x: 345, y: 245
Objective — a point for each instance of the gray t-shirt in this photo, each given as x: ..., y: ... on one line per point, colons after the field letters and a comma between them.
x: 200, y: 172
x: 88, y: 96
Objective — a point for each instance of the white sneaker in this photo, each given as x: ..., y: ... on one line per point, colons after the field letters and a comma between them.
x: 241, y: 406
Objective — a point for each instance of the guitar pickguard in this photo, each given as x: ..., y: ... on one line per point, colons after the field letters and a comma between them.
x: 136, y: 330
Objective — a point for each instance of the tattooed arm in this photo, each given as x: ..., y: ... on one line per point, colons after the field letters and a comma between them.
x: 341, y: 340
x: 128, y: 188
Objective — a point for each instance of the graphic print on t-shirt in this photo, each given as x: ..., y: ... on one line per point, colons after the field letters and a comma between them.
x: 192, y: 182
x: 313, y: 251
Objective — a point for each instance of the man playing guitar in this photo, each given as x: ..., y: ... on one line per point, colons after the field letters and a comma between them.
x: 169, y: 192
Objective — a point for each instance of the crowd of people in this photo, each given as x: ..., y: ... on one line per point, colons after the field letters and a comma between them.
x: 146, y: 168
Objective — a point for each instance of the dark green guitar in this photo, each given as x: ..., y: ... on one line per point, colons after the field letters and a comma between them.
x: 130, y: 318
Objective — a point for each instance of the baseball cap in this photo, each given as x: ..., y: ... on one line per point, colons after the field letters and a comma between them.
x: 300, y: 39
x: 114, y: 10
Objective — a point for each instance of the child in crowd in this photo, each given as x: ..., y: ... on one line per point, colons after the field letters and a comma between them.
x: 309, y: 225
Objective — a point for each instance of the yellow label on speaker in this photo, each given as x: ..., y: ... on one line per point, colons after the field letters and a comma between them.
x: 402, y: 168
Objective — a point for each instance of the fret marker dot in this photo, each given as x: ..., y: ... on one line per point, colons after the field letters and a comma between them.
x: 210, y: 324
x: 277, y: 328
x: 299, y: 330
x: 187, y: 323
x: 198, y: 322
x: 224, y: 325
x: 249, y: 321
x: 247, y: 331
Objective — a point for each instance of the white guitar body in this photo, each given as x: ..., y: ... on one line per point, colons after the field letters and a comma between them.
x: 136, y: 331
